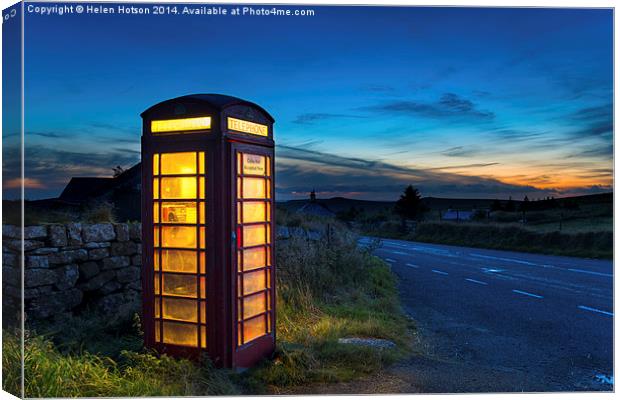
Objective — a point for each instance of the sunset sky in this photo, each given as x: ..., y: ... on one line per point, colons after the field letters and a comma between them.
x: 479, y: 103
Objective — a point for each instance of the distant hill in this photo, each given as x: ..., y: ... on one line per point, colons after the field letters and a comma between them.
x: 439, y: 203
x: 337, y: 204
x: 592, y: 198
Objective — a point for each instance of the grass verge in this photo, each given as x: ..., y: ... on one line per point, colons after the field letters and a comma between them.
x: 51, y: 373
x: 516, y: 238
x: 327, y: 289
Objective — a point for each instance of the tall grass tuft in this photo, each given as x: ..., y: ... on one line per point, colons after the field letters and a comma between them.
x: 330, y: 289
x: 11, y: 362
x: 50, y: 373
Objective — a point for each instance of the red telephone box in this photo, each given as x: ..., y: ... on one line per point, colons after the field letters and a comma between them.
x: 208, y: 274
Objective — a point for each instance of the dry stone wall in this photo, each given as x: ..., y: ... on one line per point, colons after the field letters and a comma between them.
x: 73, y: 267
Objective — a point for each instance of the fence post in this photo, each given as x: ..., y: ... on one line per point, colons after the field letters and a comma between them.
x: 329, y: 234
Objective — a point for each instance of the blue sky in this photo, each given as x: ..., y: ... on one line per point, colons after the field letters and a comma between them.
x: 459, y: 102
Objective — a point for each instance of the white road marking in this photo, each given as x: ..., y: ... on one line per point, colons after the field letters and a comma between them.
x: 527, y: 294
x: 503, y: 259
x: 583, y: 271
x: 492, y: 270
x: 422, y: 249
x: 435, y: 252
x: 395, y: 244
x: 513, y: 260
x: 439, y: 272
x: 475, y: 281
x: 596, y: 310
x: 413, y: 266
x: 390, y: 260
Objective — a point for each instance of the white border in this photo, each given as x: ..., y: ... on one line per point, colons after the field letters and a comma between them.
x: 479, y: 3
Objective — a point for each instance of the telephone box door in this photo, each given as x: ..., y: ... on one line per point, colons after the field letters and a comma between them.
x: 253, y: 253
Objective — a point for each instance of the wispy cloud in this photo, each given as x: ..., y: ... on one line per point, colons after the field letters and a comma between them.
x: 596, y: 121
x: 311, y: 118
x: 605, y: 151
x: 53, y: 135
x: 603, y: 111
x: 579, y: 85
x: 129, y: 151
x: 465, y: 166
x: 51, y: 168
x: 449, y: 106
x: 116, y: 140
x: 459, y: 151
x: 134, y: 130
x: 516, y: 135
x: 595, y: 130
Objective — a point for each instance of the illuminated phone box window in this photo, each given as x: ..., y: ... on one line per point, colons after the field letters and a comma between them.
x: 253, y: 211
x: 254, y: 328
x: 179, y: 334
x: 255, y: 281
x: 178, y: 285
x: 179, y: 261
x: 181, y: 125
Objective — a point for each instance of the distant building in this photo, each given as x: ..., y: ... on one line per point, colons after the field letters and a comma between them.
x: 123, y: 191
x: 456, y: 215
x: 313, y: 207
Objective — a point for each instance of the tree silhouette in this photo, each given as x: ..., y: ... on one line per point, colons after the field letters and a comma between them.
x: 525, y: 206
x: 409, y: 206
x: 118, y: 170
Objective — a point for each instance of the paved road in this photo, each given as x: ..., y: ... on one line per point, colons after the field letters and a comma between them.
x: 504, y: 321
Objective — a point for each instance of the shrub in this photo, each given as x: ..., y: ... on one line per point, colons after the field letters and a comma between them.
x: 321, y: 269
x: 100, y: 211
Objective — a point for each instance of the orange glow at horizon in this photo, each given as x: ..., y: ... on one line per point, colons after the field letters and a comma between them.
x: 543, y: 177
x: 28, y: 183
x: 553, y: 174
